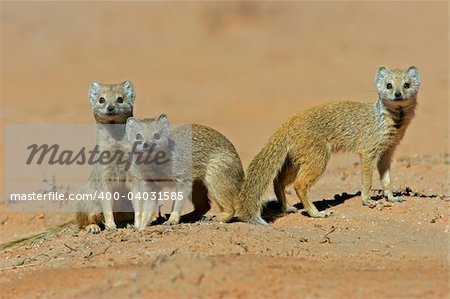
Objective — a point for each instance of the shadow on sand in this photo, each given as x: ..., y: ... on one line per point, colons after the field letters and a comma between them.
x: 272, y: 210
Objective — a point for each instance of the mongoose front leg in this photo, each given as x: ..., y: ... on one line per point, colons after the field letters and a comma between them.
x: 366, y: 175
x: 137, y: 204
x: 109, y: 217
x: 149, y: 206
x: 308, y: 175
x: 176, y: 213
x: 384, y: 165
x: 107, y: 208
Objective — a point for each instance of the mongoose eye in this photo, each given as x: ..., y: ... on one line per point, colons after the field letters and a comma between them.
x: 406, y: 85
x: 120, y: 100
x: 389, y: 86
x: 156, y: 136
x: 138, y: 136
x: 101, y: 100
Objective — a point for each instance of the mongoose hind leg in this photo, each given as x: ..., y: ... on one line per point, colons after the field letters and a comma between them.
x: 281, y: 197
x: 200, y: 202
x: 284, y: 178
x: 225, y: 206
x: 307, y: 176
x: 224, y: 194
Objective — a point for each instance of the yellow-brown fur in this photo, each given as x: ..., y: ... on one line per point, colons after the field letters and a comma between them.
x: 202, y: 159
x: 299, y: 150
x: 111, y: 104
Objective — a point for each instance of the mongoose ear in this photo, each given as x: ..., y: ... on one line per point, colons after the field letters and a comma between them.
x: 93, y: 89
x: 131, y: 121
x: 128, y: 87
x: 163, y: 119
x: 413, y: 72
x: 382, y: 72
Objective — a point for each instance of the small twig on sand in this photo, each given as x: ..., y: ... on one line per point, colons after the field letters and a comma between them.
x: 326, y: 239
x: 91, y: 254
x: 106, y: 249
x: 71, y: 249
x: 19, y: 266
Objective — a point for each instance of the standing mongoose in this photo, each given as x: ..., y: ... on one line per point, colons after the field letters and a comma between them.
x: 111, y: 104
x: 148, y: 140
x: 202, y: 159
x: 299, y: 150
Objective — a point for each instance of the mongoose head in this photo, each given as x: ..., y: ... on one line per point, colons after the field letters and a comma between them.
x: 149, y: 133
x: 398, y: 87
x: 112, y: 103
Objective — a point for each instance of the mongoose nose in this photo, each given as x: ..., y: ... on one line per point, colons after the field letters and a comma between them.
x: 398, y: 94
x: 110, y: 108
x: 146, y: 145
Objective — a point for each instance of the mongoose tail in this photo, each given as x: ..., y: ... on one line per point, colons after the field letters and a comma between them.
x: 262, y: 170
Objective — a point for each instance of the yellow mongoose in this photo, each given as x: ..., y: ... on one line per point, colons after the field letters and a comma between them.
x: 201, y: 157
x: 111, y: 104
x: 299, y: 150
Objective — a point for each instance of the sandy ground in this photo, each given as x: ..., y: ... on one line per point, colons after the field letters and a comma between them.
x: 398, y: 251
x: 242, y: 68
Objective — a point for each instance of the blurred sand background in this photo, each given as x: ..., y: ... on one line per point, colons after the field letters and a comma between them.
x: 240, y: 67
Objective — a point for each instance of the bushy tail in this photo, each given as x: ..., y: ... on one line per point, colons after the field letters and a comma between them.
x: 36, y: 237
x: 261, y: 172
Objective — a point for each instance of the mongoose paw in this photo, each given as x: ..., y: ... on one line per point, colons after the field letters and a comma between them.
x: 370, y: 203
x: 93, y: 229
x: 130, y: 226
x: 173, y: 219
x: 206, y: 218
x: 111, y: 228
x: 321, y: 214
x: 395, y: 199
x: 223, y: 217
x: 291, y: 209
x: 258, y: 221
x: 171, y: 222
